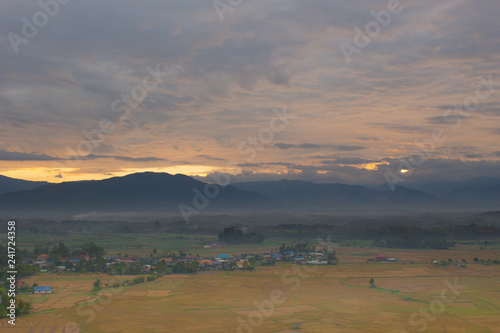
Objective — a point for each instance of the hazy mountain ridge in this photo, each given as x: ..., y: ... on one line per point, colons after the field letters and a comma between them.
x: 140, y: 192
x: 162, y: 193
x: 442, y: 188
x: 297, y: 193
x: 8, y: 184
x: 475, y: 193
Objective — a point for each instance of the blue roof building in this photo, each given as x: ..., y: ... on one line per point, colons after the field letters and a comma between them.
x: 42, y: 290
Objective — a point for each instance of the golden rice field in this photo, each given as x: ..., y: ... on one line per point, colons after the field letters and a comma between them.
x: 407, y: 298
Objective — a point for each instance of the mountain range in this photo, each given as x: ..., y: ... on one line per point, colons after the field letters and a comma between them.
x: 11, y: 184
x: 135, y: 193
x: 162, y: 193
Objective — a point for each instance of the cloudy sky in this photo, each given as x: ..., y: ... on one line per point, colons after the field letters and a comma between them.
x: 263, y: 89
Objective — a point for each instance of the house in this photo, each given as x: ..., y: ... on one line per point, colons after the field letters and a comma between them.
x: 167, y: 260
x: 42, y: 290
x: 127, y: 261
x: 317, y: 262
x: 41, y: 259
x: 380, y: 257
x: 223, y: 257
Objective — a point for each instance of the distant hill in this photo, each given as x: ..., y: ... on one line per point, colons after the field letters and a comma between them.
x: 490, y: 216
x: 161, y: 193
x: 138, y: 193
x: 477, y: 195
x: 441, y: 188
x: 300, y: 194
x: 8, y: 184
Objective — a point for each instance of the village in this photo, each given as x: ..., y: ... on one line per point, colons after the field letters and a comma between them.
x: 149, y: 265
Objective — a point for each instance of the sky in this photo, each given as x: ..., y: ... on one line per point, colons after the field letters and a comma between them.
x: 357, y: 92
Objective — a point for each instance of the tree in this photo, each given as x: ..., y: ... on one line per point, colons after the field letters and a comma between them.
x: 61, y: 250
x: 93, y: 250
x: 161, y: 267
x: 23, y: 307
x: 233, y: 235
x: 248, y: 267
x: 97, y: 285
x: 372, y: 283
x: 331, y: 256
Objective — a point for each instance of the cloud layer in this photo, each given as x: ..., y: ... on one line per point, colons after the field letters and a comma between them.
x: 351, y: 121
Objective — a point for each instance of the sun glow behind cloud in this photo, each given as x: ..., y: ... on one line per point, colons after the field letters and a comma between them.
x: 74, y: 174
x: 38, y: 174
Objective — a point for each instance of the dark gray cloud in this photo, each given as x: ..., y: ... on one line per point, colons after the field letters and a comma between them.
x: 301, y: 146
x: 448, y: 119
x: 491, y: 109
x: 403, y: 128
x: 348, y: 160
x: 18, y: 156
x: 368, y: 138
x: 233, y: 73
x: 474, y: 155
x: 211, y: 158
x: 259, y: 165
x: 123, y: 158
x: 317, y: 146
x: 347, y: 147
